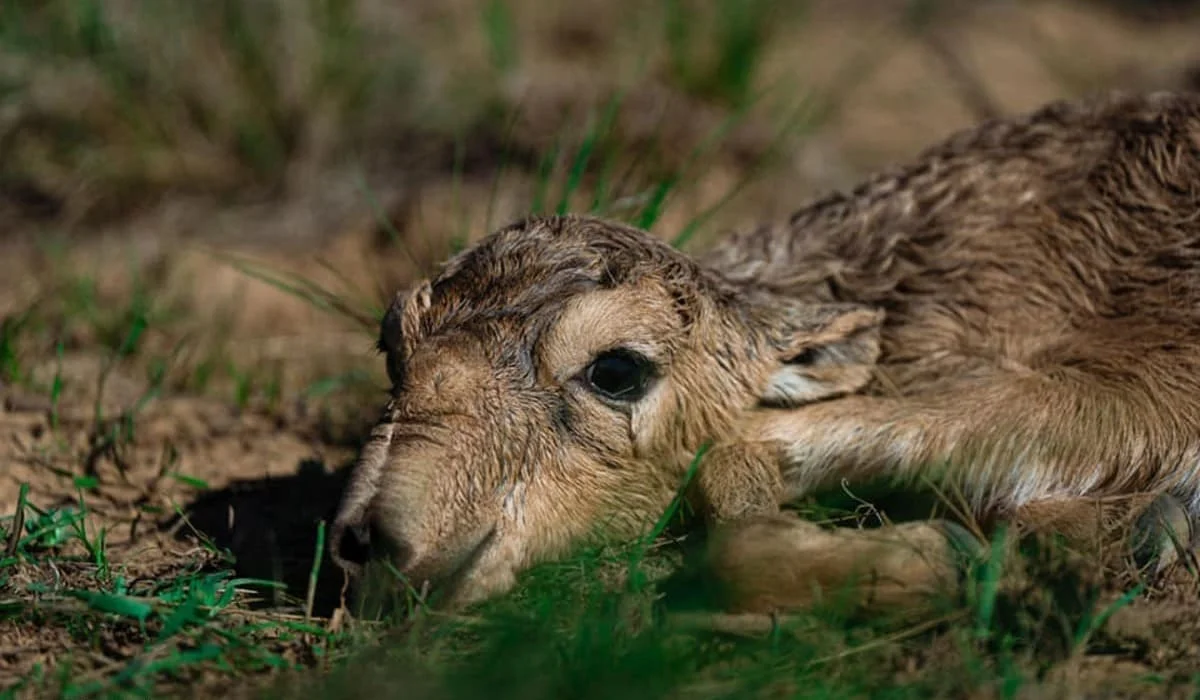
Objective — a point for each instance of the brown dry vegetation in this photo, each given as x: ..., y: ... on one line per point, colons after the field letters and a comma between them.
x: 203, y: 207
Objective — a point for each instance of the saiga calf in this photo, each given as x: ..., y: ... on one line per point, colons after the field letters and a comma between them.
x: 1012, y: 316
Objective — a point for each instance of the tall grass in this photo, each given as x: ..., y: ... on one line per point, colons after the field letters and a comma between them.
x: 716, y: 56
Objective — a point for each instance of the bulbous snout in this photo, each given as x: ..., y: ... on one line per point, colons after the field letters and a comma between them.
x: 423, y: 495
x: 393, y: 535
x: 421, y: 505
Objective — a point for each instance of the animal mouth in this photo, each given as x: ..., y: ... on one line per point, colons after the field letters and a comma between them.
x: 450, y: 584
x: 360, y: 543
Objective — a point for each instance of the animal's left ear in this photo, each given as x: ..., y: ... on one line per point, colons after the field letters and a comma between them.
x: 821, y: 350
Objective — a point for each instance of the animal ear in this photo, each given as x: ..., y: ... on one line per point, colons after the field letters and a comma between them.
x: 822, y: 351
x: 401, y: 326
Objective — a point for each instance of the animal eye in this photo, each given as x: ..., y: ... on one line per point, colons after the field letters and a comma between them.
x: 807, y: 356
x: 619, y: 375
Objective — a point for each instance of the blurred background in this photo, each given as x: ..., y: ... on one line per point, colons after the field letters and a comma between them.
x: 217, y: 197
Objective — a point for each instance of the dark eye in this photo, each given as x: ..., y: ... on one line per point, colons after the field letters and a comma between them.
x: 807, y: 356
x: 619, y: 375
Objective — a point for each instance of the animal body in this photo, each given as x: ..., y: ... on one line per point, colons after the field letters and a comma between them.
x: 1015, y: 316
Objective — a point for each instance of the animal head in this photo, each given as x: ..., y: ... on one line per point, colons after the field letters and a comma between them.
x: 554, y: 382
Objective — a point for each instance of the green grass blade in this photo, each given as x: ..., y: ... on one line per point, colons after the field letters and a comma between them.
x: 124, y: 606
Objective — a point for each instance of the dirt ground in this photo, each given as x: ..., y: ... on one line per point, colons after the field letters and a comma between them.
x: 232, y: 414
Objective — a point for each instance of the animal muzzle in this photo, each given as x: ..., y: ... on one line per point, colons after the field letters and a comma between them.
x: 352, y: 517
x: 439, y: 567
x: 403, y: 506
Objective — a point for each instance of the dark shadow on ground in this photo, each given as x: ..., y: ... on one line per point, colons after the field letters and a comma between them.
x: 271, y: 528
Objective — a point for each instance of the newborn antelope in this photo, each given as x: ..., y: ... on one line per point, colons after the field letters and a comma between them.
x: 1013, y: 316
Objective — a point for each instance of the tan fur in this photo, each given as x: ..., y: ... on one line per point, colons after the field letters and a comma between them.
x: 904, y: 566
x: 1013, y: 317
x: 767, y: 564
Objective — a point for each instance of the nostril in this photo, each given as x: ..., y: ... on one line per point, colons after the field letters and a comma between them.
x: 349, y: 546
x: 356, y: 545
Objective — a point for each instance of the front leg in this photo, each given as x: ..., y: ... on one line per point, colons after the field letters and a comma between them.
x: 1095, y: 419
x: 856, y: 438
x: 739, y: 480
x: 780, y: 563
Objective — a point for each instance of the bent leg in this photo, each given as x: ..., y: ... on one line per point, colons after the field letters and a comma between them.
x: 1150, y: 531
x: 779, y: 563
x: 1102, y: 415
